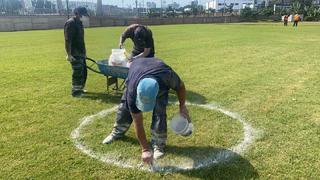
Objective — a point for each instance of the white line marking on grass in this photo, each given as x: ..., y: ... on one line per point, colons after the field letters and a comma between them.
x: 223, y: 156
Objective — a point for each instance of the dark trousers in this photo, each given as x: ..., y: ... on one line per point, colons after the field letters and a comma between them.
x: 285, y: 23
x: 295, y: 24
x: 79, y: 74
x: 158, y: 125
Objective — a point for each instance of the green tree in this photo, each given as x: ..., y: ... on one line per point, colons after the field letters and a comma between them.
x: 229, y: 9
x: 248, y: 12
x: 210, y: 11
x: 295, y: 7
x: 312, y: 13
x: 267, y: 11
x: 170, y: 11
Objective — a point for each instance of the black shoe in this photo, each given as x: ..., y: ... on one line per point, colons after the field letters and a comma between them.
x: 77, y: 93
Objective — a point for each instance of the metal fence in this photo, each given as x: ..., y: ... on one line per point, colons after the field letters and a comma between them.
x: 43, y: 7
x: 132, y: 8
x: 65, y: 7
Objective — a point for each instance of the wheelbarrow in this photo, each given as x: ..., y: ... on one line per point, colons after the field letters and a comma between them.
x: 112, y: 73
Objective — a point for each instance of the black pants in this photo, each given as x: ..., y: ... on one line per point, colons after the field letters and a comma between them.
x: 295, y: 24
x: 79, y: 75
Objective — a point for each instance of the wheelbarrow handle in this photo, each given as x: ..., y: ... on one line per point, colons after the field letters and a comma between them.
x: 90, y: 59
x: 90, y: 68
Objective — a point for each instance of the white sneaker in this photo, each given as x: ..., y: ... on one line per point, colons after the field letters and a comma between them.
x: 109, y: 139
x: 158, y: 153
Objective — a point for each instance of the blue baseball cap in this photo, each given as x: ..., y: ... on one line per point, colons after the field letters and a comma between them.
x: 147, y: 92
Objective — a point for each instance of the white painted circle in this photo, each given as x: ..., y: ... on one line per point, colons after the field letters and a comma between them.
x: 224, y: 155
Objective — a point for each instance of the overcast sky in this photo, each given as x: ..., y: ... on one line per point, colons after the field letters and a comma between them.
x: 132, y: 2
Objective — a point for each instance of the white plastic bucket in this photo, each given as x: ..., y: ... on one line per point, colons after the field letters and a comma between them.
x: 118, y: 57
x: 118, y: 51
x: 181, y: 125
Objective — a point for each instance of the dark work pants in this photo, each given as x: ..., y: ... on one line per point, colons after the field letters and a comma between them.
x: 295, y: 24
x: 158, y: 125
x: 79, y: 74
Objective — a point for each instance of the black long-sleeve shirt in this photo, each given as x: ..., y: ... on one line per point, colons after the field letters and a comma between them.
x: 74, y: 37
x: 146, y: 41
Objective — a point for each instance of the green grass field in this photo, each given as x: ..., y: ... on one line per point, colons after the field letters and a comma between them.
x: 267, y: 73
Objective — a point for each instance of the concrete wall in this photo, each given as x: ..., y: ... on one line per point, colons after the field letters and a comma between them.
x: 56, y: 22
x: 105, y: 22
x: 31, y: 23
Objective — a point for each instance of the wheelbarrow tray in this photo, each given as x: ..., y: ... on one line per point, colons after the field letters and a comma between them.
x: 113, y: 71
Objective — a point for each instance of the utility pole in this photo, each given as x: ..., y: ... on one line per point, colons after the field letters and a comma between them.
x: 161, y: 6
x: 137, y: 8
x: 99, y: 8
x: 224, y: 7
x: 68, y: 9
x: 143, y: 8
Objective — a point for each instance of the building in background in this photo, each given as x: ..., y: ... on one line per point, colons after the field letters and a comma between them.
x: 60, y: 8
x: 59, y: 5
x: 237, y: 5
x: 174, y: 5
x: 194, y: 3
x: 27, y: 4
x: 27, y: 7
x: 99, y: 8
x: 163, y: 4
x: 89, y: 5
x: 115, y: 11
x: 210, y: 5
x: 151, y: 5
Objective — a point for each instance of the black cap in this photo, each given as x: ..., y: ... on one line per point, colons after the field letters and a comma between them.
x: 81, y: 11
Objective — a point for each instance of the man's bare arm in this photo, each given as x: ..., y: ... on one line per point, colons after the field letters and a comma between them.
x: 181, y: 93
x: 121, y: 41
x: 138, y: 124
x: 146, y: 154
x: 145, y: 53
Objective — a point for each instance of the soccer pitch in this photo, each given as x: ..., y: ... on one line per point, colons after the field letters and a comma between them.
x: 266, y: 73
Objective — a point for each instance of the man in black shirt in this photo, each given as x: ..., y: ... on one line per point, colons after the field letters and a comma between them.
x: 142, y: 39
x: 76, y: 50
x: 147, y: 87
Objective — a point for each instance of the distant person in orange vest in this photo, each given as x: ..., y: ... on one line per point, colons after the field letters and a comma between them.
x: 296, y: 19
x: 285, y: 20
